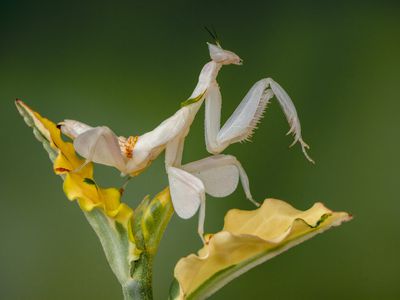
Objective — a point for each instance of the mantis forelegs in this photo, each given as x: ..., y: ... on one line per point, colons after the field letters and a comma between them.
x: 243, y: 121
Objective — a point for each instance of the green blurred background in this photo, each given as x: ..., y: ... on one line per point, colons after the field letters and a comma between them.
x: 128, y: 65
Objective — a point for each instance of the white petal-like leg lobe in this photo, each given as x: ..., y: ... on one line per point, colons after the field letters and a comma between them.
x: 244, y: 119
x: 219, y: 176
x: 100, y: 145
x: 220, y: 181
x: 187, y: 192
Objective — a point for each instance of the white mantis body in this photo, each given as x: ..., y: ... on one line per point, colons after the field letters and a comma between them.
x: 217, y: 175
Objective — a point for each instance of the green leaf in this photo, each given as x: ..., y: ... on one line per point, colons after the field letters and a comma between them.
x: 248, y: 239
x: 152, y: 217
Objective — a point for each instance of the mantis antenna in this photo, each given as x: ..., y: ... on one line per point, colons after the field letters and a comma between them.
x: 213, y: 34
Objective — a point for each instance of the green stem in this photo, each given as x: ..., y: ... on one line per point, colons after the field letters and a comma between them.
x: 150, y: 221
x: 140, y: 286
x: 137, y: 285
x: 135, y: 291
x: 115, y: 244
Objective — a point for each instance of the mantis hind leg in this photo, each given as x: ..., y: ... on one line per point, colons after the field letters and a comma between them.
x: 187, y: 191
x: 187, y: 195
x: 220, y: 175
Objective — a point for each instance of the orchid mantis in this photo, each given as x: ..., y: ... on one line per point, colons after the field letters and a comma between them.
x: 217, y: 175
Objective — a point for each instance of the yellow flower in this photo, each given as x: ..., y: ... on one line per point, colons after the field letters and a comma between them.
x: 79, y: 185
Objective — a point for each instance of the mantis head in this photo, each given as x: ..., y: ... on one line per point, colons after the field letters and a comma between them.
x: 222, y: 56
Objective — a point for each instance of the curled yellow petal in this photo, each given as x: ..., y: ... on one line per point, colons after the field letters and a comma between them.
x: 77, y: 188
x: 67, y: 160
x: 249, y: 238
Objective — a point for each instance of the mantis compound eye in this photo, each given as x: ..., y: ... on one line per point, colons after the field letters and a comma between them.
x: 222, y: 56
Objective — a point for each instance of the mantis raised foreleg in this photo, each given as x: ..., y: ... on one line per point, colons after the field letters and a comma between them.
x: 240, y: 126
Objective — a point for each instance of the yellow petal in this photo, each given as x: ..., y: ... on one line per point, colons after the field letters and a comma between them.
x: 78, y: 185
x: 249, y: 238
x: 67, y: 160
x: 84, y: 191
x: 123, y: 213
